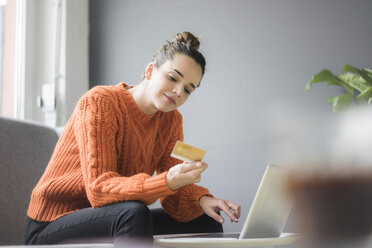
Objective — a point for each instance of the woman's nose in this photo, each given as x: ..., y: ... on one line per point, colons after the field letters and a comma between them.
x: 178, y: 90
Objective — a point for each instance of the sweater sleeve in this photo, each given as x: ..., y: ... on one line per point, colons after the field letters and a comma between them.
x: 95, y: 131
x: 184, y: 205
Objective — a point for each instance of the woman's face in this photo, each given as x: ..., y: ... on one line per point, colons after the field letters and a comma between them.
x: 172, y: 83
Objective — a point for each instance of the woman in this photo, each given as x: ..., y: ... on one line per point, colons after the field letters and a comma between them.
x: 100, y: 180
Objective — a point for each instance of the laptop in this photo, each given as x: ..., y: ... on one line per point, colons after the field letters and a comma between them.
x: 266, y: 219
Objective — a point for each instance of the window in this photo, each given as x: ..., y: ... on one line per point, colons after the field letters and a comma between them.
x: 12, y: 57
x: 45, y: 43
x: 2, y: 13
x: 7, y: 21
x: 12, y: 34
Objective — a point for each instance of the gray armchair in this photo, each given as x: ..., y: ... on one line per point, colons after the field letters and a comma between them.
x: 25, y: 149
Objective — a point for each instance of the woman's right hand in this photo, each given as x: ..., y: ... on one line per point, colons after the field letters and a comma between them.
x: 184, y: 174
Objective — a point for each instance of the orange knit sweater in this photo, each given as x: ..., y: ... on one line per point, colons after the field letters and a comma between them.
x: 107, y: 153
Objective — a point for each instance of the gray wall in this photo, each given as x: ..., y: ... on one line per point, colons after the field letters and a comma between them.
x: 260, y: 54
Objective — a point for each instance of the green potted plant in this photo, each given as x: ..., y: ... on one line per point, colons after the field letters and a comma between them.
x: 356, y: 82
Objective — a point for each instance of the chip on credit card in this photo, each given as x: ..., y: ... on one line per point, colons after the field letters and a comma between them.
x: 187, y: 152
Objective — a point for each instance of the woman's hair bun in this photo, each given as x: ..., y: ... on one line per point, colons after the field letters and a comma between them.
x: 183, y: 43
x: 188, y: 38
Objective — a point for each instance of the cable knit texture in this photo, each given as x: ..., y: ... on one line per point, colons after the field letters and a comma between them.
x: 108, y: 153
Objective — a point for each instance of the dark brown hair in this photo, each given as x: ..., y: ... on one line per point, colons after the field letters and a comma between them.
x: 183, y: 43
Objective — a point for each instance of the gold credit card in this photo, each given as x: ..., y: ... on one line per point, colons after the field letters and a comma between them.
x: 187, y: 152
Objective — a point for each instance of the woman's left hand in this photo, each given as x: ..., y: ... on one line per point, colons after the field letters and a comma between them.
x: 211, y: 206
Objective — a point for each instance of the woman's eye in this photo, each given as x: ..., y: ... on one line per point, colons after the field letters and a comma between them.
x: 172, y: 78
x: 187, y: 91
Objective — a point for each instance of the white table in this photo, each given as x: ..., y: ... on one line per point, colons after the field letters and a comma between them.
x: 172, y: 241
x: 61, y: 246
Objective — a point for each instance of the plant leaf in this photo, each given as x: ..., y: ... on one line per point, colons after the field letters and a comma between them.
x: 355, y: 70
x: 368, y: 72
x: 356, y: 82
x: 364, y: 96
x: 327, y: 76
x: 340, y: 103
x: 322, y: 76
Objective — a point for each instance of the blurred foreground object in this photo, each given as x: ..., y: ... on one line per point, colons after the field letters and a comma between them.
x: 329, y: 163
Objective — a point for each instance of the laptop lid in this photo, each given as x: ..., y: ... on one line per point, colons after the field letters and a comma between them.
x: 271, y: 206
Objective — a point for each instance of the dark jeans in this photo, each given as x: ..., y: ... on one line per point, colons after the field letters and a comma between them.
x: 118, y: 223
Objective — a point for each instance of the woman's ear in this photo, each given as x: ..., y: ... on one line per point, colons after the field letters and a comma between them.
x: 149, y: 70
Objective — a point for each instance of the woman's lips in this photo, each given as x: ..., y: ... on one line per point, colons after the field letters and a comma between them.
x: 170, y: 99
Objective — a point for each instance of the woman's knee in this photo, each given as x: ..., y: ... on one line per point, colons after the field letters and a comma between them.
x: 134, y: 219
x: 138, y: 211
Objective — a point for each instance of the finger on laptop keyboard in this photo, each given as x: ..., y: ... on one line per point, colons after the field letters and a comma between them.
x: 225, y: 207
x: 235, y: 208
x: 216, y: 217
x: 210, y: 206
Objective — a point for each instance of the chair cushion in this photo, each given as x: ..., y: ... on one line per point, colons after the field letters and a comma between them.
x: 25, y: 149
